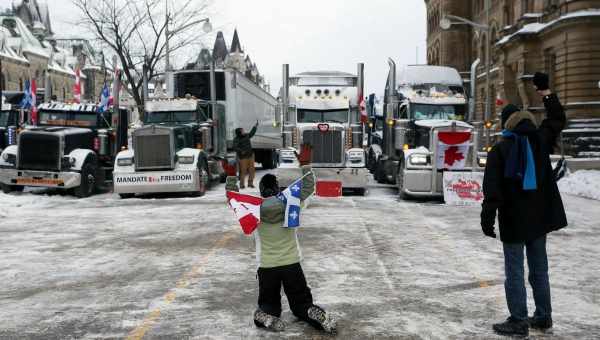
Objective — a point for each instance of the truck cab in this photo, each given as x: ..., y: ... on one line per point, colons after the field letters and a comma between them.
x: 322, y: 109
x: 9, y: 122
x: 423, y: 106
x: 72, y: 148
x: 174, y: 151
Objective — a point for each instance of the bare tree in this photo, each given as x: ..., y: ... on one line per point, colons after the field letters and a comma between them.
x: 141, y: 31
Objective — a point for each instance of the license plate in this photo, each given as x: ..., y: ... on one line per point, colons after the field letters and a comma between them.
x: 39, y: 181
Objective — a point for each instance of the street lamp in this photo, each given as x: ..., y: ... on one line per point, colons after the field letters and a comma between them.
x: 446, y: 23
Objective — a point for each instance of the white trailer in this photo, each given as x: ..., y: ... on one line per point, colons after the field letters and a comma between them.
x: 240, y: 102
x: 323, y: 110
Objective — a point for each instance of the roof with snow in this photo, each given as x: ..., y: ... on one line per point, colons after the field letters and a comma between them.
x: 428, y: 74
x: 535, y: 28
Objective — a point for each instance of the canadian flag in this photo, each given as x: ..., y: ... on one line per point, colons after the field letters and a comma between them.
x: 453, y: 149
x: 499, y: 100
x: 246, y: 209
x: 77, y: 87
x: 364, y: 118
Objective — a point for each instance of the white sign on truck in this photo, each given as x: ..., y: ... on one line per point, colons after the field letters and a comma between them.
x: 463, y: 188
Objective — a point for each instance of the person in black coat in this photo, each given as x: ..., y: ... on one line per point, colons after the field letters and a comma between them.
x: 519, y: 185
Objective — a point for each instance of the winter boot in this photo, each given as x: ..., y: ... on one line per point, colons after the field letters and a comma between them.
x: 542, y: 324
x: 262, y: 319
x: 512, y: 327
x: 326, y: 320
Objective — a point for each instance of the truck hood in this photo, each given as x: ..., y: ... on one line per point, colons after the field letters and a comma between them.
x: 437, y: 123
x: 65, y: 131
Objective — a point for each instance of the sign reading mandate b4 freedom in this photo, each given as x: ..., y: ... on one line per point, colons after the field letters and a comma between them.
x: 463, y: 188
x: 155, y: 178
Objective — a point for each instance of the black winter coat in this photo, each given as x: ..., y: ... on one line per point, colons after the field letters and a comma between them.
x: 525, y: 215
x: 242, y: 144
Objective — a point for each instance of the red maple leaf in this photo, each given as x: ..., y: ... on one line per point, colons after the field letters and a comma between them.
x: 452, y: 155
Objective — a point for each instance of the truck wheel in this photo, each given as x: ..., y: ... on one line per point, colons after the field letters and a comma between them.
x: 380, y: 173
x: 88, y: 181
x: 7, y: 189
x: 400, y: 181
x: 126, y: 196
x: 360, y: 191
x: 268, y: 160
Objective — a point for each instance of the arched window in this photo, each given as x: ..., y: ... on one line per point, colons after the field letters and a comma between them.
x: 482, y: 48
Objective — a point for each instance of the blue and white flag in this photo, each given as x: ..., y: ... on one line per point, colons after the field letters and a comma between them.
x: 291, y: 197
x: 27, y: 101
x: 104, y: 99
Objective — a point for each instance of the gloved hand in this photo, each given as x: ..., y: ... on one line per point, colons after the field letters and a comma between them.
x: 488, y: 231
x: 541, y: 81
x: 487, y: 223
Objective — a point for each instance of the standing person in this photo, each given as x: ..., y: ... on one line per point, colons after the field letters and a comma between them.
x: 520, y: 185
x: 279, y: 256
x: 242, y: 145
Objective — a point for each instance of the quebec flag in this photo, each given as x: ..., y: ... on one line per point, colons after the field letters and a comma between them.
x: 291, y: 198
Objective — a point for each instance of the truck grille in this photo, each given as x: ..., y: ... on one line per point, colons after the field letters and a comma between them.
x: 39, y: 152
x: 153, y: 152
x: 328, y: 147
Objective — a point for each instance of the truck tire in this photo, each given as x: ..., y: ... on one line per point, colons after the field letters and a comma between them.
x: 7, y: 189
x: 400, y: 181
x: 88, y: 181
x: 203, y: 177
x: 380, y: 173
x: 269, y: 160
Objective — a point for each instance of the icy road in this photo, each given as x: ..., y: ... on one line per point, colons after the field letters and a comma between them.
x: 180, y: 268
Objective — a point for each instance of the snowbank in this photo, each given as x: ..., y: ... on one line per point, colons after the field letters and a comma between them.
x: 584, y: 183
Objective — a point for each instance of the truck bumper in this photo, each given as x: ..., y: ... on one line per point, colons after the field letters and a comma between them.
x: 156, y: 182
x: 351, y: 178
x: 44, y: 179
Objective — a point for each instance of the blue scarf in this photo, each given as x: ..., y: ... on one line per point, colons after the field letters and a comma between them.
x: 520, y: 164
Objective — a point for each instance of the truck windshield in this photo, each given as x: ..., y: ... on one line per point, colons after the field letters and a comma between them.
x: 67, y: 118
x: 317, y: 116
x: 427, y: 111
x: 173, y: 117
x: 4, y: 118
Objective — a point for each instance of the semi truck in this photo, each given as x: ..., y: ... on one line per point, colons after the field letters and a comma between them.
x: 72, y: 149
x: 424, y: 113
x: 186, y: 140
x: 240, y: 101
x: 322, y: 109
x: 176, y: 150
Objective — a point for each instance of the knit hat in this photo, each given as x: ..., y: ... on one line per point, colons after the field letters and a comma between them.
x: 268, y: 186
x: 507, y: 112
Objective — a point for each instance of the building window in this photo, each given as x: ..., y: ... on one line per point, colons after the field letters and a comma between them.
x: 2, y: 82
x: 550, y: 65
x: 20, y: 84
x: 526, y: 6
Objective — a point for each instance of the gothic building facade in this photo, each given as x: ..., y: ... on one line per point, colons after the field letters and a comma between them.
x: 30, y: 50
x: 559, y: 37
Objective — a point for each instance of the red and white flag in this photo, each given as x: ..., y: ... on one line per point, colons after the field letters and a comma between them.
x: 453, y: 149
x: 246, y: 209
x: 34, y: 115
x: 77, y: 87
x: 364, y: 118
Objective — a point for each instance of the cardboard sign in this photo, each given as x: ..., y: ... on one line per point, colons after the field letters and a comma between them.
x: 463, y: 188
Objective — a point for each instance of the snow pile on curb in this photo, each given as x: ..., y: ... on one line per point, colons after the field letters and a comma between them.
x: 584, y: 183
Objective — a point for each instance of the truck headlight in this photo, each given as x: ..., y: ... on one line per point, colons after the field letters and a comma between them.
x: 127, y: 161
x: 419, y: 159
x: 482, y: 161
x: 9, y: 158
x: 185, y: 159
x: 68, y: 161
x: 356, y: 156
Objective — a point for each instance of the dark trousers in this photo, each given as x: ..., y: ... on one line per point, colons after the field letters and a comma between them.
x: 516, y: 295
x: 294, y: 286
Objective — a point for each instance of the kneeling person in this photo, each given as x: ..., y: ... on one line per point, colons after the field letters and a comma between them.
x: 279, y: 256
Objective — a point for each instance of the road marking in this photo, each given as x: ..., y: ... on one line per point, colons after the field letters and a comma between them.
x: 186, y: 280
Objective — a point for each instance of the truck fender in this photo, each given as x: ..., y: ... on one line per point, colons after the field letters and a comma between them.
x: 10, y: 150
x: 198, y: 154
x: 81, y: 156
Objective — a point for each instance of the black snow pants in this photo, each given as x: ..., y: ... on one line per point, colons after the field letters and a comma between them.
x: 295, y: 288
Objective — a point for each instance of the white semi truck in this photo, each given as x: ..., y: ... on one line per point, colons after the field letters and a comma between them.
x: 186, y: 141
x: 421, y: 103
x: 323, y: 110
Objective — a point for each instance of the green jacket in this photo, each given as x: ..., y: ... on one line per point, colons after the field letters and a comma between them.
x: 277, y: 246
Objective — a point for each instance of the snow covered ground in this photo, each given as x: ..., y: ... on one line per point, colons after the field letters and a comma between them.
x: 584, y: 183
x: 180, y: 268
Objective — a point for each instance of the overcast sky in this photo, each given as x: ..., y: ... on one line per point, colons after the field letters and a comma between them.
x: 310, y: 34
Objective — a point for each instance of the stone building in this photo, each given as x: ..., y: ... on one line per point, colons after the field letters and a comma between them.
x: 29, y: 50
x: 559, y: 37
